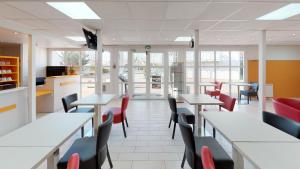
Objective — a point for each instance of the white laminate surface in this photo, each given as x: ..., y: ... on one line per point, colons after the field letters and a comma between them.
x: 51, y: 130
x: 95, y: 100
x: 267, y: 155
x: 23, y: 157
x: 241, y: 84
x: 12, y: 90
x: 239, y: 127
x: 200, y: 99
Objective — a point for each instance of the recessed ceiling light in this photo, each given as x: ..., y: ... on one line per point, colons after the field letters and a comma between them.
x: 293, y: 34
x: 76, y: 38
x: 75, y: 10
x: 183, y: 39
x: 282, y: 13
x: 16, y: 33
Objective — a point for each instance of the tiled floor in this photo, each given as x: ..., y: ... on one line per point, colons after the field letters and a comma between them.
x: 149, y: 144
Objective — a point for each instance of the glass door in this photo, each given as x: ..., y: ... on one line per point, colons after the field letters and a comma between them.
x: 139, y: 71
x: 148, y: 75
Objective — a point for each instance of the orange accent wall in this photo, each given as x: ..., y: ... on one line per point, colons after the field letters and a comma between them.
x: 283, y: 74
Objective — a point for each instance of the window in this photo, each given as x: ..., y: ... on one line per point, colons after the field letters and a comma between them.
x: 87, y: 73
x: 189, y: 71
x: 207, y: 63
x: 123, y: 69
x: 106, y: 67
x: 65, y: 58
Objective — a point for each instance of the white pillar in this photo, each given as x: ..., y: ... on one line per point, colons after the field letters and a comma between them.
x: 31, y: 78
x: 196, y: 55
x: 98, y: 65
x: 262, y: 69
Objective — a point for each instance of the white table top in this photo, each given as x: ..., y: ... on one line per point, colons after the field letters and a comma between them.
x: 266, y: 155
x: 200, y: 99
x: 22, y: 157
x: 240, y: 127
x: 49, y: 131
x: 207, y: 84
x: 95, y: 100
x: 241, y: 84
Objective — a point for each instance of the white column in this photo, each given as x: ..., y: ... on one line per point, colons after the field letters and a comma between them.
x: 31, y: 78
x: 262, y: 69
x: 196, y: 55
x: 98, y: 86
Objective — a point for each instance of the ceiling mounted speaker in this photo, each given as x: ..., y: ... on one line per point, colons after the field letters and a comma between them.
x: 192, y: 43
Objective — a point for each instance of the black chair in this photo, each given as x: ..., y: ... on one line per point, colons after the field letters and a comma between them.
x: 92, y: 150
x: 252, y: 91
x: 193, y: 147
x: 284, y: 124
x: 176, y: 111
x: 69, y: 108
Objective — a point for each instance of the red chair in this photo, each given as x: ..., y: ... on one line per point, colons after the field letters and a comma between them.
x: 119, y: 113
x: 207, y: 159
x: 229, y: 103
x: 215, y: 92
x: 73, y: 162
x: 287, y: 107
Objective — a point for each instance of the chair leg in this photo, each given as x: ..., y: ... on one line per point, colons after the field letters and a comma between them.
x: 257, y: 97
x: 170, y: 122
x: 173, y: 135
x: 248, y: 99
x: 183, y: 159
x: 109, y: 159
x: 204, y: 124
x: 126, y: 121
x: 123, y: 125
x: 214, y: 132
x: 82, y: 131
x: 92, y: 122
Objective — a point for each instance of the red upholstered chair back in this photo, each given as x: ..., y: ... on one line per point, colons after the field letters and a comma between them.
x: 73, y: 162
x: 287, y: 107
x: 124, y: 105
x: 228, y: 101
x: 207, y: 159
x: 218, y: 86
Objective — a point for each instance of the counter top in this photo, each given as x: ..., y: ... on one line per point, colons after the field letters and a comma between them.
x: 62, y: 76
x: 12, y: 90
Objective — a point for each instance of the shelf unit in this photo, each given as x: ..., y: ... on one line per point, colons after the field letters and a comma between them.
x: 10, y: 64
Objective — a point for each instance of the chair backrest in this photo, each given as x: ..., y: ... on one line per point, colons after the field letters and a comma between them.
x: 253, y: 86
x: 287, y: 107
x: 172, y: 103
x: 68, y: 100
x: 284, y: 124
x: 207, y: 158
x: 218, y: 86
x: 228, y: 101
x: 187, y: 133
x: 73, y: 162
x: 124, y: 105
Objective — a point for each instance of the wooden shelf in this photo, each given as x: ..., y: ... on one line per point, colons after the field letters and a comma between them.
x: 7, y: 81
x: 9, y: 65
x: 8, y: 73
x: 13, y: 66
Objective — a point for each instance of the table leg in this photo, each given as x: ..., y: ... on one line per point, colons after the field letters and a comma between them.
x: 237, y: 159
x: 52, y: 160
x: 96, y: 119
x: 204, y: 89
x: 200, y: 89
x: 239, y: 98
x: 198, y: 121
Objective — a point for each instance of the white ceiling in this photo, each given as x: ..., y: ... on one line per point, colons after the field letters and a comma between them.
x: 159, y: 21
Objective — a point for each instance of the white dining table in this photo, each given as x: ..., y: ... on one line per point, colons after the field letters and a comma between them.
x: 242, y: 127
x: 270, y: 155
x: 199, y: 100
x: 205, y: 84
x: 23, y: 157
x: 97, y: 101
x: 50, y: 131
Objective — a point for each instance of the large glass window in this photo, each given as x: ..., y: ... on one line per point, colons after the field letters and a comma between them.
x: 189, y: 71
x: 106, y: 66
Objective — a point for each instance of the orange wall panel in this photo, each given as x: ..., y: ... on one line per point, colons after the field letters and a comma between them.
x: 283, y: 74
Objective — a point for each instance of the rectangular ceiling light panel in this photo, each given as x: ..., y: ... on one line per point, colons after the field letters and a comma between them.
x: 76, y: 38
x: 183, y: 39
x: 282, y: 13
x: 75, y: 10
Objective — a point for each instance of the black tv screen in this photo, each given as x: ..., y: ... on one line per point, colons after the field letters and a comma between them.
x: 91, y: 39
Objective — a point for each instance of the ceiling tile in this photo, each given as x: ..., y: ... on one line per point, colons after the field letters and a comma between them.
x: 9, y: 12
x: 148, y: 10
x: 218, y: 11
x: 111, y: 10
x: 184, y: 10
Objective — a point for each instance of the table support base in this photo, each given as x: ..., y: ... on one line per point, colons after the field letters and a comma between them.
x: 238, y: 159
x: 52, y: 160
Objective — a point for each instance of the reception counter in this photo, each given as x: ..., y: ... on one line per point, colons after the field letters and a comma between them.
x: 13, y: 109
x: 56, y: 87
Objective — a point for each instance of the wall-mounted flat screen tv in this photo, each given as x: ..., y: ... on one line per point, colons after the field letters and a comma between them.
x: 91, y: 39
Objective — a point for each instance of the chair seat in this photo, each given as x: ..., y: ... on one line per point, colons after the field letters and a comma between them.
x: 83, y: 110
x: 221, y: 158
x: 117, y: 114
x: 189, y: 115
x: 213, y: 92
x: 248, y: 92
x: 86, y: 148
